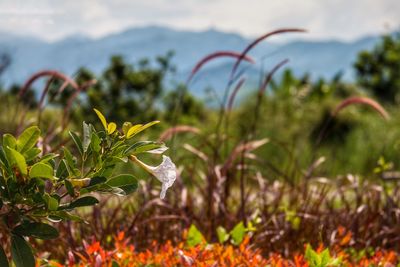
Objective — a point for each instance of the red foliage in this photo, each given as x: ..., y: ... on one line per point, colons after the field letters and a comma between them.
x: 125, y: 254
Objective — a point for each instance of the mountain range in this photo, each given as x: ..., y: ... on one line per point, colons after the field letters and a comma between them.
x: 318, y: 58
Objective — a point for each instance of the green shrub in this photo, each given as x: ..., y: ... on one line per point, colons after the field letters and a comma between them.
x: 37, y: 187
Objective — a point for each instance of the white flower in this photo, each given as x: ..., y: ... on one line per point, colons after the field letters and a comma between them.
x: 165, y: 173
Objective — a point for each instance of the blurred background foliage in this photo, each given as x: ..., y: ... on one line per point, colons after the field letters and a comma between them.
x: 295, y: 112
x: 280, y: 157
x: 378, y: 70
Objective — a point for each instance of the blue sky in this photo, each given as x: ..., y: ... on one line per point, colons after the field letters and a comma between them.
x: 340, y: 19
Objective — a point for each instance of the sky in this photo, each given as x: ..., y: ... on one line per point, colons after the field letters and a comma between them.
x: 324, y: 19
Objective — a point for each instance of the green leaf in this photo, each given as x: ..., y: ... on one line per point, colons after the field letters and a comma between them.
x: 87, y: 133
x: 106, y: 171
x: 3, y: 158
x: 195, y: 237
x: 41, y: 170
x: 127, y: 182
x: 68, y: 157
x: 114, y: 160
x: 19, y: 160
x: 135, y: 130
x: 142, y: 146
x: 238, y: 233
x: 125, y: 127
x: 97, y: 180
x: 70, y: 163
x: 95, y: 183
x: 36, y: 230
x: 222, y: 234
x: 32, y: 153
x: 102, y: 118
x: 77, y: 141
x: 9, y: 141
x: 62, y: 170
x: 3, y: 258
x: 48, y: 157
x: 102, y: 188
x: 28, y: 139
x: 70, y: 188
x: 132, y: 130
x: 52, y: 203
x: 118, y: 148
x: 111, y: 127
x: 251, y: 227
x: 335, y: 262
x: 83, y: 201
x: 325, y: 257
x: 21, y: 252
x: 63, y: 215
x: 312, y: 257
x: 95, y: 142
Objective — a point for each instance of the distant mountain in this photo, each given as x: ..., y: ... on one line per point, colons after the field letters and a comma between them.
x: 319, y: 58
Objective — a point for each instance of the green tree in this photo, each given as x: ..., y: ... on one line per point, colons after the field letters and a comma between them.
x: 182, y: 107
x: 123, y: 91
x: 28, y: 99
x: 378, y: 70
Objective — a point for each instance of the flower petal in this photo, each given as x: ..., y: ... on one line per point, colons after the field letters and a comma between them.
x: 166, y: 174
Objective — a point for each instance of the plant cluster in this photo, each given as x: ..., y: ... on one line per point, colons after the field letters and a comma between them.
x: 123, y: 253
x: 38, y: 188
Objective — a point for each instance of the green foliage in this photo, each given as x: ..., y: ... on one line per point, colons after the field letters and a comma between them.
x: 36, y: 230
x: 83, y: 202
x: 237, y: 234
x: 291, y: 86
x: 293, y: 219
x: 301, y: 129
x: 36, y: 187
x: 378, y: 70
x: 29, y: 99
x: 41, y: 170
x: 222, y: 235
x: 382, y: 165
x: 21, y: 252
x: 3, y: 258
x: 322, y: 259
x: 123, y: 92
x: 194, y: 237
x: 126, y: 182
x: 182, y: 107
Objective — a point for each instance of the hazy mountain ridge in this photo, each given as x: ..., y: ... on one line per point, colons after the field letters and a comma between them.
x: 319, y: 58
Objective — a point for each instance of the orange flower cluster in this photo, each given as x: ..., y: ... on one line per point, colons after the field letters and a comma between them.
x: 124, y: 254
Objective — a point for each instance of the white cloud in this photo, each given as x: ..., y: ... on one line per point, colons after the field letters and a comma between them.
x: 324, y: 19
